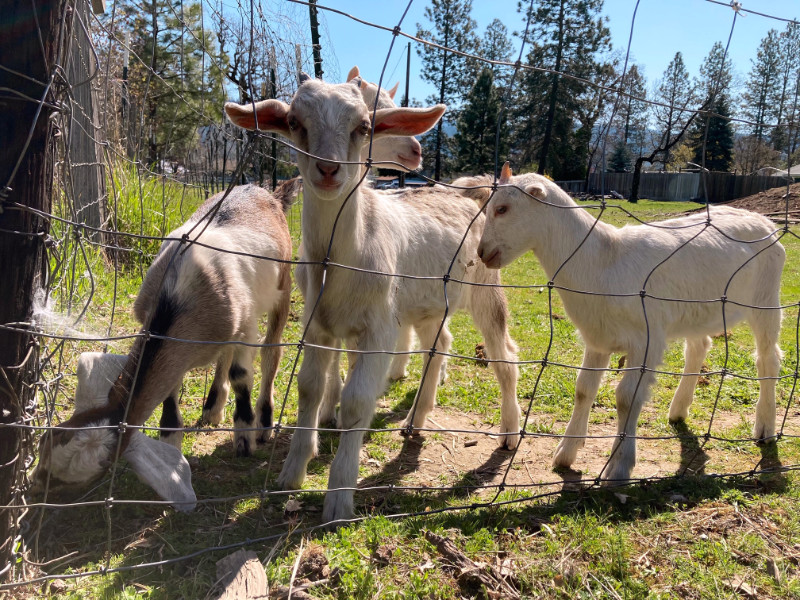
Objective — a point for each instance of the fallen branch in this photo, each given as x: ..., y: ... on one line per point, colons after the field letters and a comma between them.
x: 483, y: 575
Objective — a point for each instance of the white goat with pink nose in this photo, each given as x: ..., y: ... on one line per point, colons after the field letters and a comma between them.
x: 375, y: 233
x: 631, y: 290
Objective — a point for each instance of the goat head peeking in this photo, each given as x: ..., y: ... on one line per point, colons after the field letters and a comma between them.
x: 80, y: 450
x: 332, y: 162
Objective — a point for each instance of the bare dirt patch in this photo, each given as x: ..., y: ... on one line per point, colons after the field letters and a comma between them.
x: 772, y: 203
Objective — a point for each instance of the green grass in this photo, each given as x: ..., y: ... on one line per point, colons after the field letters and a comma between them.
x: 677, y: 538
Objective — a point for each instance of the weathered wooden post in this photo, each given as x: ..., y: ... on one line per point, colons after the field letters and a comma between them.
x: 87, y: 184
x: 32, y: 51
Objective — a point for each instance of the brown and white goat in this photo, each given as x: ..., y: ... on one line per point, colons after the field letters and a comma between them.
x: 201, y: 301
x: 418, y: 236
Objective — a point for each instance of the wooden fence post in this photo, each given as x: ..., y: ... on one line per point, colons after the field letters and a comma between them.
x: 30, y: 38
x: 87, y: 175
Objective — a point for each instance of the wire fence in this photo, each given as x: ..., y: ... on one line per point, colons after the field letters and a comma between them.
x: 115, y: 205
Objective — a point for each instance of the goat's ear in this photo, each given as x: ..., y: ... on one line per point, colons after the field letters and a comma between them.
x: 537, y: 190
x: 97, y: 372
x: 393, y: 91
x: 270, y: 114
x: 407, y: 121
x: 163, y: 468
x: 353, y: 73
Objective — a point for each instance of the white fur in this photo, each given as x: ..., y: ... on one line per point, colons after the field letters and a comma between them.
x: 415, y: 236
x: 709, y: 262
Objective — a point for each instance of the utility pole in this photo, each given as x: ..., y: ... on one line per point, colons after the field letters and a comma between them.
x: 315, y: 47
x: 405, y: 102
x: 273, y: 65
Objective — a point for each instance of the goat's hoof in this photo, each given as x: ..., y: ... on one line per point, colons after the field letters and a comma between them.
x: 763, y: 434
x: 566, y: 453
x: 338, y: 506
x: 212, y: 418
x: 243, y: 448
x: 265, y: 435
x: 397, y: 375
x: 509, y: 442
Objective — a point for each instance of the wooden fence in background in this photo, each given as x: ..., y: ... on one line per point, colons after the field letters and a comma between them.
x: 715, y: 187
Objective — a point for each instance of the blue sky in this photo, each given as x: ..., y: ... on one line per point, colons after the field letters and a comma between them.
x: 663, y: 27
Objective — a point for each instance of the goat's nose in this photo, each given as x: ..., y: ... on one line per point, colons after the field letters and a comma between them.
x: 327, y: 169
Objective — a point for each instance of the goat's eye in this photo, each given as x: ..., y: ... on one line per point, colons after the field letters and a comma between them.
x: 294, y: 124
x: 364, y: 128
x: 501, y: 210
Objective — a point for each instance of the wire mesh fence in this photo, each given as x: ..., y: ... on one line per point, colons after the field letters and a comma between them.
x: 124, y: 181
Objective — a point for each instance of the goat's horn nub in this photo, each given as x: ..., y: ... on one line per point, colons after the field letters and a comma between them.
x: 505, y: 173
x: 304, y: 77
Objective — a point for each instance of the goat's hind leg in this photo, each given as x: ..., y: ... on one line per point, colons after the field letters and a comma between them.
x: 426, y: 396
x: 695, y: 352
x: 214, y: 406
x: 271, y: 353
x: 766, y: 326
x: 589, y: 378
x: 490, y: 313
x: 244, y: 421
x: 400, y: 361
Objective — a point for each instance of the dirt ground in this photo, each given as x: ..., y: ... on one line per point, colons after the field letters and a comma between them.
x: 772, y: 203
x: 460, y: 455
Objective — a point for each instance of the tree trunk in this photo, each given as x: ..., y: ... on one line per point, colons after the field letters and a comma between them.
x: 551, y: 110
x: 437, y: 173
x: 29, y: 49
x: 637, y: 177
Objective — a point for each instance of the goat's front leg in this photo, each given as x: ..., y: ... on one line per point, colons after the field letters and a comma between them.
x: 359, y: 395
x: 310, y: 388
x: 589, y: 378
x: 171, y: 419
x: 332, y: 393
x: 633, y: 392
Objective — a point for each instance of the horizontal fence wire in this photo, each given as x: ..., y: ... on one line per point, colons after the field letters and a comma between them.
x: 87, y: 259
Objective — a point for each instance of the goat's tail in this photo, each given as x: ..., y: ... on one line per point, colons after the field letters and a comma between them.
x: 479, y: 187
x: 287, y: 191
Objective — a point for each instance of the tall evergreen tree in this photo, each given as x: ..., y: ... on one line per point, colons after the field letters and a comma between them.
x: 763, y: 85
x: 566, y: 36
x: 451, y: 27
x: 620, y: 161
x: 676, y: 97
x: 477, y: 126
x: 785, y: 97
x: 716, y: 76
x: 713, y: 148
x: 495, y: 45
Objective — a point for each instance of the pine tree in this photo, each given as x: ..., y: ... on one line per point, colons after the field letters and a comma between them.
x: 763, y: 85
x: 784, y: 100
x: 676, y: 97
x: 620, y: 161
x: 452, y: 27
x: 566, y: 36
x: 475, y: 137
x: 495, y: 45
x: 716, y: 76
x: 714, y: 149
